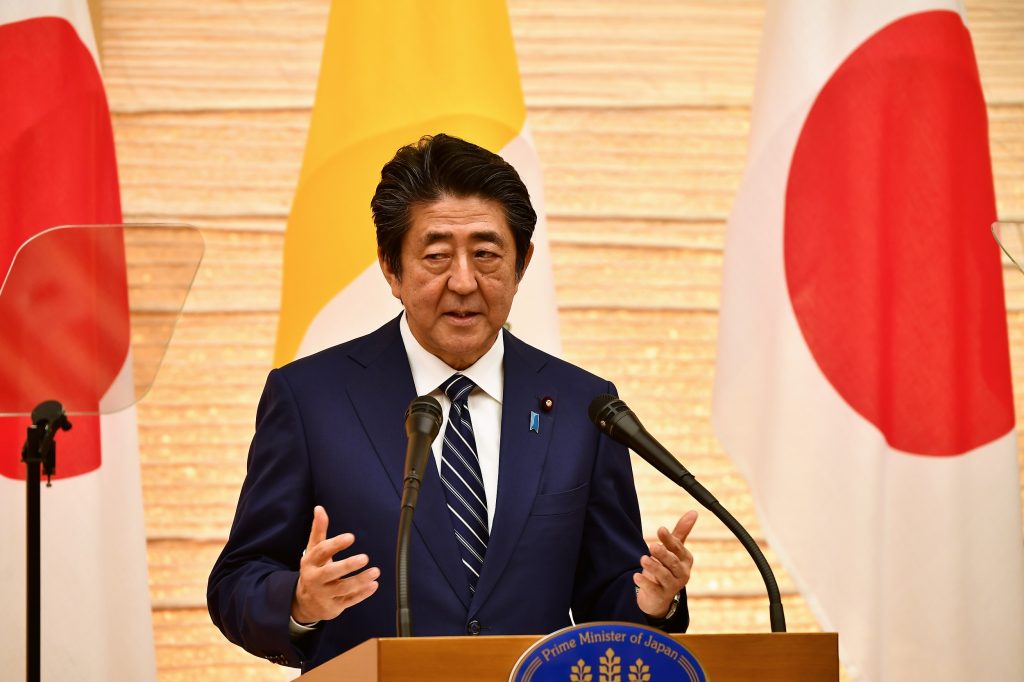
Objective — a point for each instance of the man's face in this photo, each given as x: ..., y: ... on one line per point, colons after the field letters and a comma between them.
x: 458, y: 276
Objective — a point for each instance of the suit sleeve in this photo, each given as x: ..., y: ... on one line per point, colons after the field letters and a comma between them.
x: 612, y: 545
x: 250, y: 590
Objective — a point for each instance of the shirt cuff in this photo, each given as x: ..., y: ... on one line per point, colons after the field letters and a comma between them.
x: 297, y: 629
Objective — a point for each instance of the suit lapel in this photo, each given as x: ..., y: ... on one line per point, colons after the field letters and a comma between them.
x: 381, y: 400
x: 520, y: 461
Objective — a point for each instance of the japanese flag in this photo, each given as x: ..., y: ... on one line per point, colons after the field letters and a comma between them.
x: 863, y: 376
x: 57, y: 167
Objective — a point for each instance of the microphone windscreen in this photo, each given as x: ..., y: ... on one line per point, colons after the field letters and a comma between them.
x: 424, y: 406
x: 598, y: 405
x: 425, y: 403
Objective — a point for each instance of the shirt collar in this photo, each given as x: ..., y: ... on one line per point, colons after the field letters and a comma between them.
x: 430, y: 371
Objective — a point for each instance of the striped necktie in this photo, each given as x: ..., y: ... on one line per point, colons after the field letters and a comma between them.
x: 463, y: 484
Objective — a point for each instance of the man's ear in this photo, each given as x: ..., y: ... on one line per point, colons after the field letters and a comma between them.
x: 390, y: 275
x: 526, y: 263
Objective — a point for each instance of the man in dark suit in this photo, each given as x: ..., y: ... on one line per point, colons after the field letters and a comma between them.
x: 527, y: 512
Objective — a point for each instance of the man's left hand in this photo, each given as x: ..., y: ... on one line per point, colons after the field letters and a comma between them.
x: 666, y: 570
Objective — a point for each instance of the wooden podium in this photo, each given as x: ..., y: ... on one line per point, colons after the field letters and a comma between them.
x: 782, y: 657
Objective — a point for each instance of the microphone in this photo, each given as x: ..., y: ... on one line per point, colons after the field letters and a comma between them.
x: 614, y: 418
x: 422, y: 424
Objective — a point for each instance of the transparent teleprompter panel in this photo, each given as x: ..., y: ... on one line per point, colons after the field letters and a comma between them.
x: 87, y: 311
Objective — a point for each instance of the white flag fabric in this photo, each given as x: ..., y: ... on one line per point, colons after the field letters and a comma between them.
x: 57, y: 167
x: 863, y: 381
x: 376, y: 93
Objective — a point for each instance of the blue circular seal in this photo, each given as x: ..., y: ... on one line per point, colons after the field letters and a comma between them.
x: 607, y: 652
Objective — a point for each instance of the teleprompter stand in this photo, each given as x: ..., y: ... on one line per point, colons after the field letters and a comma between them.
x: 39, y: 452
x: 69, y: 297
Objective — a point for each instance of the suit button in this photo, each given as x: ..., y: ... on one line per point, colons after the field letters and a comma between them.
x: 474, y: 627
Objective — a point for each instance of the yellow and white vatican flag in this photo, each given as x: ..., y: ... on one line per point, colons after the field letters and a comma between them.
x: 863, y: 378
x: 391, y: 73
x: 58, y: 167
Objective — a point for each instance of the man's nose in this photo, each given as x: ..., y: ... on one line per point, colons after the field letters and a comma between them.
x: 463, y: 276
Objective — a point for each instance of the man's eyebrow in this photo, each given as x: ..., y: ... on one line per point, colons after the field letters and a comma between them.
x: 434, y: 236
x: 491, y: 236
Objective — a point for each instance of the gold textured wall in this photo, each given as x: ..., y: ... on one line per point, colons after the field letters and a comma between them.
x: 640, y: 113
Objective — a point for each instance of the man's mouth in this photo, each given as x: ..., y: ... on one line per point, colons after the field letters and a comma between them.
x: 461, y: 314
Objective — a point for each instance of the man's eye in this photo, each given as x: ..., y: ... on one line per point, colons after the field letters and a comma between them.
x: 486, y: 254
x: 436, y: 256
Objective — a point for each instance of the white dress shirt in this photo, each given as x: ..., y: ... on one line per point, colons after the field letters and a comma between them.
x: 429, y: 372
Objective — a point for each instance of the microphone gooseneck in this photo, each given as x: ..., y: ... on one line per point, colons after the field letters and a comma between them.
x: 613, y: 417
x: 422, y: 424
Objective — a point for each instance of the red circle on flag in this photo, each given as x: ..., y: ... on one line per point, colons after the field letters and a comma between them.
x: 894, y: 276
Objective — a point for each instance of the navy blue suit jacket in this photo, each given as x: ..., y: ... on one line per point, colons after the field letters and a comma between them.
x: 330, y: 431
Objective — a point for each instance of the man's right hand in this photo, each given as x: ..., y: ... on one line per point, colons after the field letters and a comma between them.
x: 327, y: 587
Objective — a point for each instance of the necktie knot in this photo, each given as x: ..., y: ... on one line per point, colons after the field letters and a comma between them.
x: 458, y: 388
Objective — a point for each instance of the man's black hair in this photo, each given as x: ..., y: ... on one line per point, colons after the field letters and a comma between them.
x: 438, y: 166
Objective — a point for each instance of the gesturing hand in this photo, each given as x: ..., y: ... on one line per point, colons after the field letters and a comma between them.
x: 667, y: 570
x: 327, y: 587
